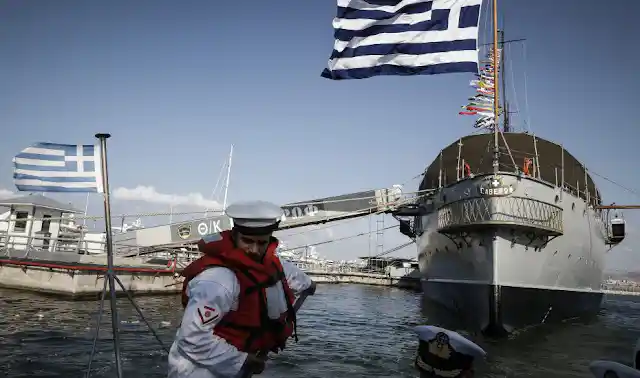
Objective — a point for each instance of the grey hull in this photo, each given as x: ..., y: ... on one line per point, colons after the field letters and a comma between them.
x: 459, y: 305
x: 502, y: 277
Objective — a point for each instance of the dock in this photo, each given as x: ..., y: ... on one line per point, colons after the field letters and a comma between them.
x: 43, y: 249
x: 395, y: 272
x: 621, y: 292
x: 77, y: 276
x: 404, y: 282
x: 82, y: 276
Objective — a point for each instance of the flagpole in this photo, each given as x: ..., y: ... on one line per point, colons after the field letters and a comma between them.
x: 109, y: 236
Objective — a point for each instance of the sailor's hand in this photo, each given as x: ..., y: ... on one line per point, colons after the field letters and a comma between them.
x: 254, y: 363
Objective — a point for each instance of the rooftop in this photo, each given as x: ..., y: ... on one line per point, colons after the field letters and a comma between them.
x: 40, y: 201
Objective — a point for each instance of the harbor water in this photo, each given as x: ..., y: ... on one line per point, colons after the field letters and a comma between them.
x: 345, y: 330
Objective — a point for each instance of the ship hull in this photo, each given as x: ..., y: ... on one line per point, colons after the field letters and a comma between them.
x: 469, y: 306
x: 500, y: 278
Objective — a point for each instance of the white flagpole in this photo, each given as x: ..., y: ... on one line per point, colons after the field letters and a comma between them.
x: 226, y: 186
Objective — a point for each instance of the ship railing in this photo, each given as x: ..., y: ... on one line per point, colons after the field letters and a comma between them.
x: 578, y: 188
x: 323, y: 268
x: 18, y: 244
x: 326, y: 268
x: 518, y: 212
x: 181, y: 257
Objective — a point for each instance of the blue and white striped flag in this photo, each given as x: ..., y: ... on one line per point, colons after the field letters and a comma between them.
x: 408, y: 37
x: 51, y: 167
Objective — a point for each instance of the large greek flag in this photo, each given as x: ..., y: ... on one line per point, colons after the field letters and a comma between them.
x: 51, y: 167
x: 408, y: 37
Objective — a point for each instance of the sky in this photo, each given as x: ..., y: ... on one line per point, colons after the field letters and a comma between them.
x: 177, y: 82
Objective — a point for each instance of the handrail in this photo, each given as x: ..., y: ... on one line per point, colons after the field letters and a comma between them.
x: 60, y: 244
x: 514, y: 210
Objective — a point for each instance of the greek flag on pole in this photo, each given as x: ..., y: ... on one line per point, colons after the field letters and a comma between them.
x: 51, y: 167
x: 408, y: 37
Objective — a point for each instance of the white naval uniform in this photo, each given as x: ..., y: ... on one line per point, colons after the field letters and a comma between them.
x: 196, y: 351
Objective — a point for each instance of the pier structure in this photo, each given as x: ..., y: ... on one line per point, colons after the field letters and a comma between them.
x: 43, y: 247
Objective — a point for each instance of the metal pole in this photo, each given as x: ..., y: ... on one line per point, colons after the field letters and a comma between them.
x: 440, y: 174
x: 109, y: 240
x: 562, y: 173
x: 458, y: 167
x: 505, y: 114
x: 86, y: 210
x: 496, y: 100
x: 226, y: 186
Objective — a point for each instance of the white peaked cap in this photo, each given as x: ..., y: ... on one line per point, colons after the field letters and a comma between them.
x: 610, y: 369
x: 457, y: 341
x: 445, y: 353
x: 254, y: 214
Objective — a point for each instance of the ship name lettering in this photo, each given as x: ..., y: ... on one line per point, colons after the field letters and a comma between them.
x: 210, y: 227
x: 300, y: 211
x: 496, y: 191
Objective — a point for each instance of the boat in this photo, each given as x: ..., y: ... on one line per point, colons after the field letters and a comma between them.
x: 513, y: 232
x: 305, y: 258
x: 44, y: 250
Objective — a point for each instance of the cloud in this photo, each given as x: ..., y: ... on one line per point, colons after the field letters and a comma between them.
x: 151, y: 195
x: 4, y: 193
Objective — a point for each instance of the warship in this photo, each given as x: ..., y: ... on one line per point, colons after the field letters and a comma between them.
x: 510, y: 230
x: 509, y: 250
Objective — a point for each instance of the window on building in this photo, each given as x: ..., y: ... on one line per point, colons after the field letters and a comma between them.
x: 46, y: 223
x: 20, y: 225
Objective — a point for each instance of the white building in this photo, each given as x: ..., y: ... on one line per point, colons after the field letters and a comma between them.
x: 24, y: 222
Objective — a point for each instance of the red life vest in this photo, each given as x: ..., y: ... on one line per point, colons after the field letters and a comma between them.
x: 248, y: 328
x: 467, y: 170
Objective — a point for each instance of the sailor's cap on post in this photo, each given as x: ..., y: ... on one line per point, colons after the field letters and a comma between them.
x: 255, y: 217
x: 444, y: 353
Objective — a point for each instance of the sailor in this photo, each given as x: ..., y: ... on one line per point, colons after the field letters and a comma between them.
x: 444, y: 353
x: 238, y: 298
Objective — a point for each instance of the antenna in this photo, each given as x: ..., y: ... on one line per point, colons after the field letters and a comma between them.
x: 226, y: 185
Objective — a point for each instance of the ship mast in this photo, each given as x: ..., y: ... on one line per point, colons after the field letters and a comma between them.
x: 496, y: 147
x: 506, y: 126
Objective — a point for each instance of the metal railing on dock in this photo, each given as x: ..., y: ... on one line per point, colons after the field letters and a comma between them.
x: 40, y: 246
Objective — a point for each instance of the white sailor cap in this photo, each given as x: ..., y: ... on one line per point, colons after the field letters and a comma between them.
x: 611, y: 369
x: 445, y: 353
x: 255, y: 216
